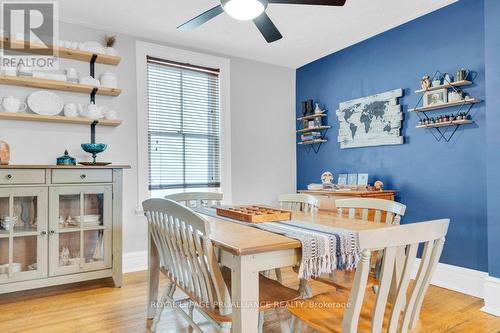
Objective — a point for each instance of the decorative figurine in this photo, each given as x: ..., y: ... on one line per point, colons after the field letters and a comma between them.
x: 4, y: 153
x: 426, y: 82
x: 317, y: 110
x: 447, y: 78
x: 327, y: 178
x: 379, y: 186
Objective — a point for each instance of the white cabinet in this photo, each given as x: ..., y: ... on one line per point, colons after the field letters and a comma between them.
x: 68, y: 226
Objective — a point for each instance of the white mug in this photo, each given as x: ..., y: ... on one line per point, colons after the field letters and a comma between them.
x: 13, y: 104
x: 71, y: 110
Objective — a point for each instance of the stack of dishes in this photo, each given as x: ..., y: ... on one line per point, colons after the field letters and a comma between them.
x: 89, y: 220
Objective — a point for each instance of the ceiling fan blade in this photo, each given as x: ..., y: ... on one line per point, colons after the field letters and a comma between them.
x: 267, y: 28
x: 200, y: 19
x: 311, y: 2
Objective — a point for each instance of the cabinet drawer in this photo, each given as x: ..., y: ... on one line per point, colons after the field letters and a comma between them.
x: 81, y: 176
x: 22, y: 176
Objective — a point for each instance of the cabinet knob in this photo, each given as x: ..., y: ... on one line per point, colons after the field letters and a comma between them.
x: 52, y: 232
x: 83, y: 176
x: 9, y: 176
x: 43, y: 233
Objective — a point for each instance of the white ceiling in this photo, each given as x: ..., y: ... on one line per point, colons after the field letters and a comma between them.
x: 309, y: 32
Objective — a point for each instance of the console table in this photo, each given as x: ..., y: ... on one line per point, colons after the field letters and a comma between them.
x: 68, y: 229
x: 327, y: 198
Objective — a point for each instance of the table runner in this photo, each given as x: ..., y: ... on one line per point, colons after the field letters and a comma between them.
x: 324, y: 249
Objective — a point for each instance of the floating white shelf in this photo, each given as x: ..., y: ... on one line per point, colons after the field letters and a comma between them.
x: 448, y: 85
x: 448, y: 123
x: 312, y: 129
x: 446, y: 105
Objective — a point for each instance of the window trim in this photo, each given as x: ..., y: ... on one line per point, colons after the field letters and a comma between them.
x: 144, y: 49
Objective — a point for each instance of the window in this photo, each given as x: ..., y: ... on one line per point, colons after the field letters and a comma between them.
x: 183, y: 104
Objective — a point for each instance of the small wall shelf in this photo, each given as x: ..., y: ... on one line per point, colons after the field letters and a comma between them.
x: 312, y: 129
x: 447, y: 85
x: 68, y: 53
x: 444, y: 130
x: 57, y: 85
x: 446, y: 105
x: 312, y: 116
x: 305, y: 143
x: 448, y: 123
x: 55, y: 119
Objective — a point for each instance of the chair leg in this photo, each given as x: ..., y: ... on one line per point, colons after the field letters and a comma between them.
x: 261, y: 321
x: 305, y: 289
x: 161, y: 305
x: 279, y: 276
x: 191, y: 315
x: 285, y: 327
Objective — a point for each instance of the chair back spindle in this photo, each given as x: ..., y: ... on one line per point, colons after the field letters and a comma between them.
x: 186, y: 253
x: 393, y: 210
x: 299, y: 202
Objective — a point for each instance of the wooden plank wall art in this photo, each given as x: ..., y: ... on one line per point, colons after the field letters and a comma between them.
x: 371, y: 121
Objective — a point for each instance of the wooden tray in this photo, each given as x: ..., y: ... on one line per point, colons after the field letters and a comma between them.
x: 254, y: 214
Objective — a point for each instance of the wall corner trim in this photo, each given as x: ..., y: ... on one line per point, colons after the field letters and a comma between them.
x: 492, y: 296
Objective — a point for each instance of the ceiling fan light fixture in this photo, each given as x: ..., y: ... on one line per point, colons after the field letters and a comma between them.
x: 244, y: 10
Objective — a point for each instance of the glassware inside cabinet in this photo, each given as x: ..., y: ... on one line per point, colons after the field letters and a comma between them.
x: 94, y: 246
x: 25, y: 214
x: 69, y: 211
x: 69, y: 248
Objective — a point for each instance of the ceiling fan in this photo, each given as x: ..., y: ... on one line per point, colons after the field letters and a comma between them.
x: 246, y: 10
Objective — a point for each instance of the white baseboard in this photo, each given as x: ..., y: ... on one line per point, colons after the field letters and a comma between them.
x: 492, y: 296
x: 135, y: 261
x: 464, y: 280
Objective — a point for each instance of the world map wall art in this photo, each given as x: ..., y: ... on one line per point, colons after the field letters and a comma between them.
x: 371, y: 121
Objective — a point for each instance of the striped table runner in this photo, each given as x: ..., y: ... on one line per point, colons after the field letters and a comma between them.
x: 324, y: 249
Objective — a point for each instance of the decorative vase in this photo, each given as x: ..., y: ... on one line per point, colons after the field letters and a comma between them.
x: 426, y: 82
x: 4, y: 153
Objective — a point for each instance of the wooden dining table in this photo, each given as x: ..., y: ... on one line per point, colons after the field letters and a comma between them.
x: 247, y: 251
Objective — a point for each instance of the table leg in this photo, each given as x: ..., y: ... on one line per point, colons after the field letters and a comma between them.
x: 396, y: 276
x: 245, y: 294
x: 153, y: 277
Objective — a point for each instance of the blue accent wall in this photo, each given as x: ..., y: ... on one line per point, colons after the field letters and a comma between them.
x: 434, y: 179
x: 492, y: 65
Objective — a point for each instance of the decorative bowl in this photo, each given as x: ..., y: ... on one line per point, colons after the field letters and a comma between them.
x: 94, y: 148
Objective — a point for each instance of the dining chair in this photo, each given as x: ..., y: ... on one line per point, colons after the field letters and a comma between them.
x: 188, y: 260
x: 393, y: 210
x: 197, y: 199
x: 359, y: 311
x: 299, y: 202
x: 367, y: 209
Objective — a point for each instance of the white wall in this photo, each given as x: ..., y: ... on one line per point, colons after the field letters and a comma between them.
x: 263, y: 139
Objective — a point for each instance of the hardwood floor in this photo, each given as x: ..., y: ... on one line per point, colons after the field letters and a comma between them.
x: 99, y: 307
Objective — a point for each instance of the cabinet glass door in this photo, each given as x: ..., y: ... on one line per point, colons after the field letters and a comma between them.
x: 23, y: 231
x: 80, y: 229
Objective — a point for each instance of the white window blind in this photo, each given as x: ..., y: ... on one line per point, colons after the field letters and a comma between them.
x: 183, y: 125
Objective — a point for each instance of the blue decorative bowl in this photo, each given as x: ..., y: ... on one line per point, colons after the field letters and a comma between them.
x: 94, y: 148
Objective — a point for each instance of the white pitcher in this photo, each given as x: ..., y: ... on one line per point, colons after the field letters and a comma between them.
x: 91, y: 111
x: 13, y: 104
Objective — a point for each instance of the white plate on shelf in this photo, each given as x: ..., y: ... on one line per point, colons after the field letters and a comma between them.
x: 45, y: 103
